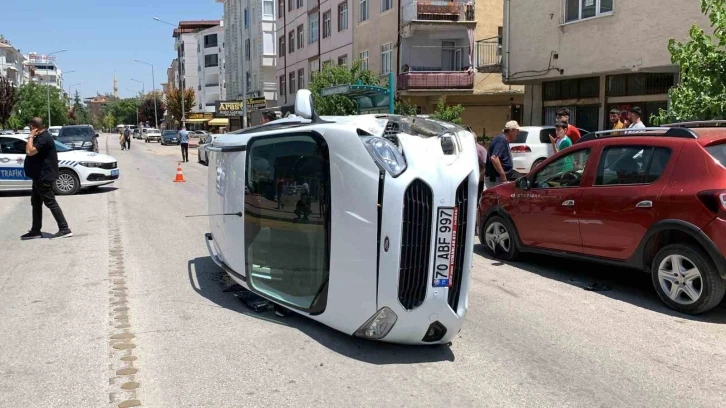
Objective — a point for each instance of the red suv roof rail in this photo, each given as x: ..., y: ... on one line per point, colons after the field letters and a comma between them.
x: 682, y: 132
x: 698, y: 124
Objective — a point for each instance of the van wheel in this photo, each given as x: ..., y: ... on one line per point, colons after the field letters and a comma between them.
x: 498, y: 236
x: 67, y: 183
x: 536, y: 163
x: 686, y: 279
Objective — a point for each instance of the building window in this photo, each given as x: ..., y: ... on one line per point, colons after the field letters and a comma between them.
x: 363, y: 57
x: 571, y: 89
x: 386, y: 58
x: 292, y: 83
x: 313, y: 21
x: 211, y: 60
x: 300, y: 3
x: 386, y: 5
x: 283, y: 87
x: 326, y: 24
x: 300, y: 36
x: 247, y: 19
x: 290, y: 5
x: 248, y: 81
x: 281, y: 46
x: 247, y: 49
x: 363, y: 10
x: 314, y: 67
x: 291, y: 42
x: 268, y: 43
x: 280, y: 8
x: 268, y: 9
x: 210, y: 40
x: 343, y: 16
x: 580, y: 9
x: 301, y: 78
x: 639, y: 84
x: 343, y: 60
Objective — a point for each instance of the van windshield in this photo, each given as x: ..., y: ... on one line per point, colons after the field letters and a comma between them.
x: 75, y: 134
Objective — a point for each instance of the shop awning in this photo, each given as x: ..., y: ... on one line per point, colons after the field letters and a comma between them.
x: 218, y: 122
x: 202, y: 120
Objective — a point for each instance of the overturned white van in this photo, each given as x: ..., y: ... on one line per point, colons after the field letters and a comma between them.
x: 363, y: 223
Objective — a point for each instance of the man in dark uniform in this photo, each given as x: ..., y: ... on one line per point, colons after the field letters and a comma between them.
x: 41, y: 166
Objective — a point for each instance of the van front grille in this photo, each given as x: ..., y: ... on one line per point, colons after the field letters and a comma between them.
x: 462, y: 206
x: 415, y: 244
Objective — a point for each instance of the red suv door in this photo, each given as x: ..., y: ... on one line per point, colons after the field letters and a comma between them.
x: 622, y: 202
x: 546, y: 214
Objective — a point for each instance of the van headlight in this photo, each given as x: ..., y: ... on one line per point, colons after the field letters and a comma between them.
x: 386, y: 154
x: 378, y: 326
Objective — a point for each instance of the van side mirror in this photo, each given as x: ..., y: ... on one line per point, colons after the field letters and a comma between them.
x: 523, y: 183
x: 304, y: 106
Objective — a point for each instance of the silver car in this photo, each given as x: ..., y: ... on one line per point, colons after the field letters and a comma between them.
x: 202, y: 153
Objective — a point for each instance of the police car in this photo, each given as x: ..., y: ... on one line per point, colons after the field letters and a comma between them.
x: 78, y: 169
x: 363, y: 223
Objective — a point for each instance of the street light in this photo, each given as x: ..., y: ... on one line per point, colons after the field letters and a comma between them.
x: 69, y: 90
x: 182, y: 81
x: 48, y: 88
x: 153, y: 87
x: 137, y: 101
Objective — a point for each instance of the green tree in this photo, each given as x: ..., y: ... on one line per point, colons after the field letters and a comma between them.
x: 80, y: 113
x: 146, y: 109
x: 33, y: 101
x: 332, y: 75
x: 448, y: 113
x: 124, y: 110
x: 701, y: 93
x: 109, y: 122
x: 8, y: 99
x: 405, y: 107
x: 173, y: 102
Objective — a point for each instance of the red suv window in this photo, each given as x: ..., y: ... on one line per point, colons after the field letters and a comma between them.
x: 622, y: 165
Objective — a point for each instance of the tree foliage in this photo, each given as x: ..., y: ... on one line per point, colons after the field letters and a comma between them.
x: 124, y: 110
x: 701, y: 93
x: 405, y: 107
x: 173, y: 102
x: 33, y: 101
x: 332, y: 75
x: 8, y: 99
x: 79, y: 114
x: 109, y: 122
x: 448, y: 113
x: 146, y: 109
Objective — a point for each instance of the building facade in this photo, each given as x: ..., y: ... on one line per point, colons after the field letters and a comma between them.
x: 310, y: 34
x: 44, y: 70
x: 186, y: 45
x: 594, y: 56
x: 210, y: 68
x: 377, y: 50
x: 11, y: 63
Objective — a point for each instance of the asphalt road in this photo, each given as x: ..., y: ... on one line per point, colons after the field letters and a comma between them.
x: 132, y: 310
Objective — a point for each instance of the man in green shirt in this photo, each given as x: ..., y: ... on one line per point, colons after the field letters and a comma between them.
x: 561, y: 142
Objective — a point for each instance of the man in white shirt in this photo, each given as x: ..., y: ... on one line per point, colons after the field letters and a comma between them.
x: 634, y: 115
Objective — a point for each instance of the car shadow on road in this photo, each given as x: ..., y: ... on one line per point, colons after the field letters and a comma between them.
x: 623, y: 284
x: 211, y: 283
x: 85, y: 191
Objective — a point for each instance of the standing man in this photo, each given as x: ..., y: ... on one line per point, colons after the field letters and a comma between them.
x: 184, y: 143
x: 634, y: 115
x: 563, y: 115
x: 41, y: 166
x: 127, y: 138
x: 499, y: 158
x: 615, y: 120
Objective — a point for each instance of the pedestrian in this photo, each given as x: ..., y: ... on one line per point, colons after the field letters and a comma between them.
x: 268, y: 117
x: 481, y: 152
x: 563, y: 115
x: 122, y: 141
x: 615, y: 119
x: 635, y: 114
x: 499, y: 158
x: 127, y: 138
x: 184, y: 143
x: 41, y: 166
x: 94, y: 142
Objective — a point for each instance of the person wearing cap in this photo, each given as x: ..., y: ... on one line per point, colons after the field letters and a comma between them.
x: 563, y: 115
x: 499, y: 158
x: 634, y: 115
x: 615, y: 119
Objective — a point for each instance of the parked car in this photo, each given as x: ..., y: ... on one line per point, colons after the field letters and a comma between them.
x: 653, y: 200
x: 55, y: 130
x: 77, y: 137
x: 170, y: 137
x: 77, y: 169
x: 199, y: 133
x: 533, y: 146
x: 152, y: 135
x: 337, y: 252
x: 202, y: 153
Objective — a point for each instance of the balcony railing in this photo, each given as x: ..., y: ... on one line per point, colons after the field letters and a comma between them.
x: 488, y: 55
x: 438, y: 10
x: 436, y: 80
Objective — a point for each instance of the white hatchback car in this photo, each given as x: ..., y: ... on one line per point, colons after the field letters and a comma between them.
x: 375, y: 240
x: 533, y: 146
x: 78, y: 168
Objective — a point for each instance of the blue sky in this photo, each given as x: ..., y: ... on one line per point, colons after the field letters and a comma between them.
x: 103, y: 37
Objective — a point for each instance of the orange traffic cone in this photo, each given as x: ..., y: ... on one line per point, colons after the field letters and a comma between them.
x: 179, y: 176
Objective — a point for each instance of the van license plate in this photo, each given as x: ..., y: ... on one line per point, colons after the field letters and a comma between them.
x: 445, y: 247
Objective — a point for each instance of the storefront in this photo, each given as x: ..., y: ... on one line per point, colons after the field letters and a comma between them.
x: 198, y: 121
x: 232, y: 112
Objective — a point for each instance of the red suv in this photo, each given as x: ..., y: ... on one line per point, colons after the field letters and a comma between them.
x: 654, y: 200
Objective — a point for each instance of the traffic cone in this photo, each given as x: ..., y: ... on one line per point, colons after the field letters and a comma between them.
x: 179, y: 176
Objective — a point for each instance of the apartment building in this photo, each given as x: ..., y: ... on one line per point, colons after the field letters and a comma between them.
x: 594, y: 55
x: 186, y: 45
x: 376, y: 49
x: 11, y: 63
x: 44, y: 70
x: 210, y: 68
x: 310, y: 34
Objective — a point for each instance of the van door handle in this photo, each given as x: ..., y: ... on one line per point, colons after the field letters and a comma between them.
x: 644, y: 204
x: 568, y: 203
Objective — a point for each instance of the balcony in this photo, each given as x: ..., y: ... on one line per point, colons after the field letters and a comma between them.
x: 427, y: 66
x: 438, y: 11
x: 435, y: 80
x: 488, y: 55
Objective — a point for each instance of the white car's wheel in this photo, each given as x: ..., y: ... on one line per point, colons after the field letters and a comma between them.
x: 67, y: 183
